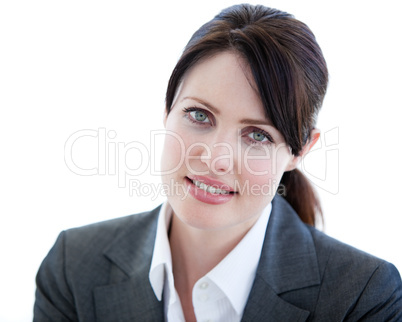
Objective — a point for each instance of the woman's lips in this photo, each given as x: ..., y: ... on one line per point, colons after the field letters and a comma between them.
x: 211, y: 183
x: 209, y: 191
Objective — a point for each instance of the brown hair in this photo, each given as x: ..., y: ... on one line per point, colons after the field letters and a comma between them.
x: 290, y: 73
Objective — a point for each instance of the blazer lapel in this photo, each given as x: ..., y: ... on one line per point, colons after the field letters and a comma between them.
x: 129, y: 296
x: 288, y: 263
x: 265, y: 305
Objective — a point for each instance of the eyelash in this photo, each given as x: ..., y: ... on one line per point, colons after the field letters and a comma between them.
x: 270, y: 140
x: 188, y: 110
x: 187, y: 115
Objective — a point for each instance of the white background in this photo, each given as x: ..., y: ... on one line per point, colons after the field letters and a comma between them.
x: 74, y: 65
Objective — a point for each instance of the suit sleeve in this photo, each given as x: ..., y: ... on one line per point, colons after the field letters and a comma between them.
x: 54, y: 300
x: 381, y: 299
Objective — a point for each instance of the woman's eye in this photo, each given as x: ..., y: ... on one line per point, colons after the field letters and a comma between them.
x: 199, y: 116
x: 257, y: 136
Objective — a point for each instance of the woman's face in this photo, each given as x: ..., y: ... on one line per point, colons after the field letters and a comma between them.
x: 223, y: 159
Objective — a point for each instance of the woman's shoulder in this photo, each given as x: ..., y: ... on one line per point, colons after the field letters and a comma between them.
x: 347, y: 280
x: 81, y: 260
x: 331, y: 253
x: 86, y: 248
x: 337, y: 255
x: 87, y: 244
x: 355, y: 280
x: 111, y: 228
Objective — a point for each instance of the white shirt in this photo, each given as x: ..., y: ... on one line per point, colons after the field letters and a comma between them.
x: 221, y: 295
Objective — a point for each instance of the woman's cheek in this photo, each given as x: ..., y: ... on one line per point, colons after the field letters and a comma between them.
x: 272, y: 163
x: 262, y: 177
x: 173, y: 152
x: 257, y: 171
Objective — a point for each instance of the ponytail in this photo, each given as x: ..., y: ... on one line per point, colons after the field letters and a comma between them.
x: 300, y: 194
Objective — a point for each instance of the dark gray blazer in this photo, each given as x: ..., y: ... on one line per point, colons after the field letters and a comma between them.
x: 100, y: 273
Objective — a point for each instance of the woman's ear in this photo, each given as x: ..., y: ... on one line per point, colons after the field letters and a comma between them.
x: 314, y: 137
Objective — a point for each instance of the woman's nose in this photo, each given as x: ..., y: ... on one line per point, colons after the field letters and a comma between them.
x: 220, y: 158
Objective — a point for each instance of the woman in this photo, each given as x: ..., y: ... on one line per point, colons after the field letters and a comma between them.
x: 241, y: 106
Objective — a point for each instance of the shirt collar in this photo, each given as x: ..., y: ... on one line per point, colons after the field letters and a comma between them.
x: 235, y: 274
x: 239, y: 265
x: 161, y: 265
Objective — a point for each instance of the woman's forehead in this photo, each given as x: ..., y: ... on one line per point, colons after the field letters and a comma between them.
x: 224, y: 78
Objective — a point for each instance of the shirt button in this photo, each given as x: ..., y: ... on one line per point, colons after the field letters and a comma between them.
x: 204, y: 285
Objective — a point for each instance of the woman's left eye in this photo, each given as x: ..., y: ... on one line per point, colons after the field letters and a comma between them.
x: 257, y: 136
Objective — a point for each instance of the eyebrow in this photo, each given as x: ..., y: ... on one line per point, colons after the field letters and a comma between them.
x: 256, y: 122
x: 210, y: 106
x: 216, y: 111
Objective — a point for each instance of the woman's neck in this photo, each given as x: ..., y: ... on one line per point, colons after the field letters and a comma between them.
x: 195, y: 251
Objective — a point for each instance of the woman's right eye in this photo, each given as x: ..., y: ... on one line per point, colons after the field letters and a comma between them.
x: 197, y: 115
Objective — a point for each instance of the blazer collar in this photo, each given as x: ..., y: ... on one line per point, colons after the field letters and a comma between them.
x: 288, y: 262
x: 129, y: 296
x: 132, y: 249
